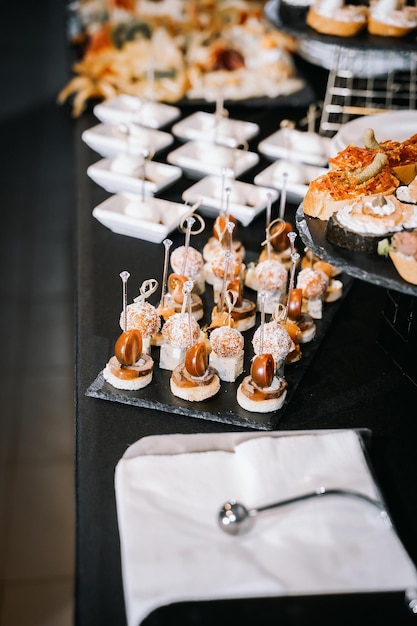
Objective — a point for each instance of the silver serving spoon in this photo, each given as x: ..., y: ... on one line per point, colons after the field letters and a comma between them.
x: 234, y: 518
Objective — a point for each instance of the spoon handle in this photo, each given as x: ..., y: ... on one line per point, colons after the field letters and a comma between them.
x: 321, y: 491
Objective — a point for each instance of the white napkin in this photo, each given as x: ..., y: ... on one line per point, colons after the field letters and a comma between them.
x: 169, y: 489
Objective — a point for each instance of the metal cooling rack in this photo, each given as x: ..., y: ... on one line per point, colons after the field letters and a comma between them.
x: 365, y: 83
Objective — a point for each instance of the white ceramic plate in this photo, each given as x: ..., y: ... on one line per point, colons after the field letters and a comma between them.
x: 108, y: 174
x: 245, y: 200
x: 395, y: 125
x: 296, y: 188
x: 296, y: 145
x: 111, y: 139
x: 202, y: 158
x: 127, y: 109
x: 211, y: 127
x: 119, y: 214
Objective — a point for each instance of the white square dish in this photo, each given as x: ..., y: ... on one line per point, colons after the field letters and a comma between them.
x: 297, y: 145
x: 127, y: 109
x: 212, y: 127
x: 125, y: 173
x: 299, y: 177
x: 245, y: 200
x: 202, y: 158
x: 111, y: 139
x: 118, y: 214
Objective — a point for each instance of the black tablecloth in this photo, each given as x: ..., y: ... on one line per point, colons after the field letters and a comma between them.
x: 350, y: 383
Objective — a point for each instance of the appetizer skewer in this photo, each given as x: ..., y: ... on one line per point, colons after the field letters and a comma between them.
x: 193, y: 379
x: 129, y: 368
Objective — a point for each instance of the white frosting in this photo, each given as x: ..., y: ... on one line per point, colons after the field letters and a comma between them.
x: 327, y: 8
x: 364, y: 223
x: 383, y: 7
x: 336, y: 10
x: 395, y: 13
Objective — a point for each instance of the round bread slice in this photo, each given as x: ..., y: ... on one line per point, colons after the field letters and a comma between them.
x: 320, y: 203
x: 376, y: 27
x: 133, y: 383
x: 259, y: 406
x: 329, y: 192
x: 197, y: 393
x: 185, y: 387
x: 341, y: 28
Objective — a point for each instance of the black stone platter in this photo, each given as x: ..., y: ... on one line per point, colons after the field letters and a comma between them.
x: 223, y: 407
x: 371, y: 268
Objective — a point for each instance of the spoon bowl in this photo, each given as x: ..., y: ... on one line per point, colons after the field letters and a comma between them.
x: 234, y: 518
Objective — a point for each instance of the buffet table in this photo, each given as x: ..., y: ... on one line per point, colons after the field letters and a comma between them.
x: 350, y: 383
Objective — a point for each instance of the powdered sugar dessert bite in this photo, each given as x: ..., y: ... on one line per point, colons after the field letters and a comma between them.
x: 281, y: 314
x: 193, y: 378
x: 227, y: 351
x: 335, y: 289
x: 265, y: 388
x: 391, y: 18
x: 185, y: 259
x: 272, y: 278
x: 142, y: 315
x: 179, y: 332
x: 226, y: 341
x: 189, y: 262
x: 130, y: 367
x: 313, y: 284
x: 276, y: 341
x: 334, y: 17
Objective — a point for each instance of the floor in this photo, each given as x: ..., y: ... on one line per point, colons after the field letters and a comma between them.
x: 37, y: 199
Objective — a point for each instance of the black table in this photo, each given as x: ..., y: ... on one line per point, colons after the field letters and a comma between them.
x: 350, y: 383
